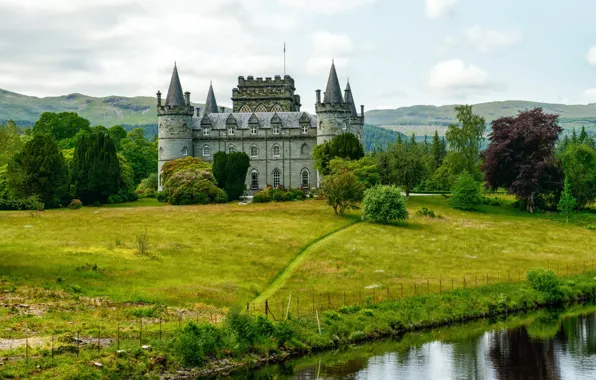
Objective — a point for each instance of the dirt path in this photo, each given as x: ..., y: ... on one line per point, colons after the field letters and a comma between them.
x: 278, y: 281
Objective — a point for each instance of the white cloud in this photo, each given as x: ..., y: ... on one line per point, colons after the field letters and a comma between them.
x: 456, y: 75
x: 325, y: 47
x: 486, y: 40
x: 326, y: 6
x: 590, y: 93
x: 440, y: 8
x: 591, y: 56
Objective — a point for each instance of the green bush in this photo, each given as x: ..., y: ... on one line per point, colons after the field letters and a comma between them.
x: 383, y: 204
x: 114, y: 198
x: 278, y: 195
x: 75, y: 204
x: 543, y: 280
x: 29, y: 203
x: 189, y: 187
x: 426, y: 212
x: 196, y: 342
x: 466, y: 193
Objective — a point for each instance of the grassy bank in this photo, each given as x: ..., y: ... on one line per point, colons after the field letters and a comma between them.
x: 241, y: 340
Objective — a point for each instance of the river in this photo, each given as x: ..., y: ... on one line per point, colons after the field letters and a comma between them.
x: 547, y: 344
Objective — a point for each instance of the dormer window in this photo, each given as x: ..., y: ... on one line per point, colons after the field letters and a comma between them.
x: 253, y: 129
x: 275, y: 128
x: 305, y: 128
x: 205, y: 131
x: 231, y: 131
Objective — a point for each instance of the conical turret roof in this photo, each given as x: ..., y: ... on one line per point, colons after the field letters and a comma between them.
x: 333, y: 91
x: 350, y: 100
x: 175, y: 95
x: 211, y: 103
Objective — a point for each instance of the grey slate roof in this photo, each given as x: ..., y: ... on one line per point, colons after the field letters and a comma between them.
x: 333, y: 91
x: 175, y: 94
x: 288, y: 119
x: 211, y: 103
x: 350, y: 100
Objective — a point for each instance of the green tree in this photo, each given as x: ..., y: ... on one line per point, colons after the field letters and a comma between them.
x: 436, y: 151
x: 193, y: 186
x: 345, y: 145
x: 95, y: 169
x: 237, y: 164
x: 574, y: 136
x: 39, y: 170
x: 343, y: 191
x: 466, y: 138
x: 466, y: 193
x: 383, y: 204
x: 579, y: 165
x: 583, y: 135
x: 117, y: 133
x: 64, y: 127
x: 140, y: 154
x: 365, y: 169
x: 407, y: 166
x: 10, y: 141
x: 220, y: 160
x: 567, y: 203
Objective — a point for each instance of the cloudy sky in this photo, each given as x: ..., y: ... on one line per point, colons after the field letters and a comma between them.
x: 395, y: 52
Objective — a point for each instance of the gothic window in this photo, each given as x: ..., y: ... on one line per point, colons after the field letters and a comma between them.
x: 231, y: 131
x: 205, y: 131
x: 276, y: 108
x: 276, y: 151
x: 275, y: 129
x: 304, y: 149
x: 254, y: 180
x: 253, y: 129
x: 254, y: 151
x: 206, y: 151
x: 231, y: 149
x: 305, y: 176
x: 185, y: 151
x: 276, y: 178
x: 261, y: 108
x: 345, y: 126
x: 320, y: 124
x: 245, y: 109
x: 304, y: 128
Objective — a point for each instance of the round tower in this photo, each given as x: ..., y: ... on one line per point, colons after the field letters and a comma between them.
x: 333, y: 112
x: 174, y: 124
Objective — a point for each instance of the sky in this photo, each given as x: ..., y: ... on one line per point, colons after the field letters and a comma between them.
x: 395, y: 53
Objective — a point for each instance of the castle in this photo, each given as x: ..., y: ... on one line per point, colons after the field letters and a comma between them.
x: 265, y: 122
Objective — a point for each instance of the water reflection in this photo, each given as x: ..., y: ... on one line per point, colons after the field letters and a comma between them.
x: 544, y: 345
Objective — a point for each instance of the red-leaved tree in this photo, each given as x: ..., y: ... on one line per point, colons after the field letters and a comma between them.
x: 520, y: 156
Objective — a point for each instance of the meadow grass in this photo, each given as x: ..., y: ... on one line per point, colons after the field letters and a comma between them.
x: 498, y: 241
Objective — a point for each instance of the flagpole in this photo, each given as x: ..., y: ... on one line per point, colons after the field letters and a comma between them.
x: 284, y: 58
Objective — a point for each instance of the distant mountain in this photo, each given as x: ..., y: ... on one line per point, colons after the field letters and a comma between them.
x: 108, y: 111
x: 425, y: 119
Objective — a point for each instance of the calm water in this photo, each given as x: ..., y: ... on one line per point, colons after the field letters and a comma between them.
x: 553, y: 344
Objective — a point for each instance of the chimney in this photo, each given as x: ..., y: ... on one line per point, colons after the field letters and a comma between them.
x: 159, y: 98
x: 187, y: 98
x: 362, y: 111
x: 222, y: 109
x: 198, y: 111
x: 318, y: 96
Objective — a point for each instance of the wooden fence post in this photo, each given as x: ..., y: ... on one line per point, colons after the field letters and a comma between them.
x: 141, y: 332
x: 267, y: 309
x: 464, y: 282
x: 118, y: 336
x: 440, y: 285
x: 401, y: 290
x: 98, y: 338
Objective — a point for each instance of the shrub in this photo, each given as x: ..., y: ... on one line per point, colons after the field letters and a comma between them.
x: 466, y: 193
x: 343, y: 191
x: 426, y: 212
x: 383, y: 204
x: 30, y: 203
x: 193, y: 187
x: 262, y: 196
x: 114, y: 198
x: 161, y: 196
x: 543, y: 280
x: 278, y: 195
x: 75, y: 204
x: 196, y: 342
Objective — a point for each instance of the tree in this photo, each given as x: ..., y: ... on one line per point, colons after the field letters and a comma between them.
x: 10, y: 142
x: 64, y: 127
x: 237, y: 164
x: 365, y: 169
x: 467, y: 139
x: 407, y: 166
x: 583, y: 135
x: 193, y: 186
x: 436, y: 151
x: 567, y: 203
x: 345, y: 146
x: 520, y: 156
x: 39, y: 170
x: 383, y: 204
x: 466, y: 193
x: 343, y: 191
x: 220, y: 160
x: 117, y: 133
x: 140, y: 154
x: 579, y: 165
x: 95, y: 168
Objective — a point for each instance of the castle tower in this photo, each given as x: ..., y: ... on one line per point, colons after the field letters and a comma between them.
x: 356, y: 123
x: 333, y: 113
x: 211, y: 103
x: 174, y: 121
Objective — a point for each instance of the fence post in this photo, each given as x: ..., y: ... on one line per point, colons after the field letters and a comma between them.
x: 141, y: 333
x: 118, y: 336
x: 401, y: 290
x: 98, y: 338
x: 78, y: 342
x: 267, y: 309
x: 440, y: 285
x: 160, y: 327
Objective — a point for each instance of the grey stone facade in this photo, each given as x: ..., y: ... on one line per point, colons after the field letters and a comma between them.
x: 279, y: 141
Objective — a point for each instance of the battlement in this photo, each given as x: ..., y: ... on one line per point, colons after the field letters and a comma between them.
x: 332, y: 108
x: 265, y: 94
x: 175, y: 110
x: 267, y: 81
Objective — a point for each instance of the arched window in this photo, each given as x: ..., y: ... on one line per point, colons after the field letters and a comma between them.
x: 231, y: 149
x: 254, y: 151
x: 160, y: 151
x: 277, y: 108
x: 276, y: 151
x: 304, y: 149
x: 185, y: 151
x: 320, y: 124
x: 206, y: 151
x: 245, y: 109
x: 345, y: 126
x: 205, y: 131
x: 276, y: 178
x: 261, y: 108
x: 305, y: 178
x: 254, y: 180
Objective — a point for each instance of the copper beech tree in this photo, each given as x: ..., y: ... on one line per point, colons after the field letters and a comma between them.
x: 520, y: 156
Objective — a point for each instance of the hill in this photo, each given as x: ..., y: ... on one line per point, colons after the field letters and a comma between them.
x: 425, y: 119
